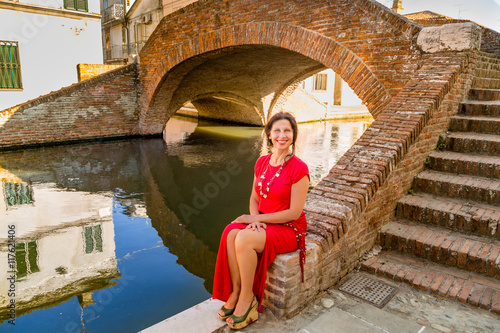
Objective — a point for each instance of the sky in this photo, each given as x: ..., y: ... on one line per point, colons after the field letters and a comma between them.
x: 484, y: 12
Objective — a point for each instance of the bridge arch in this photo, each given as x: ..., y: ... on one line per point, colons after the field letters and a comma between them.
x: 181, y: 58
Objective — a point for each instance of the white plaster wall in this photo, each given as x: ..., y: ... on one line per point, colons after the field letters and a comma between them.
x: 50, y: 47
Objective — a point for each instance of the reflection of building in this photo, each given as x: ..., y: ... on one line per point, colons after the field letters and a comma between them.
x: 41, y: 42
x: 64, y: 247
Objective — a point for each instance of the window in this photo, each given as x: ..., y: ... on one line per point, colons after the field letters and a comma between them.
x: 92, y: 238
x: 319, y: 81
x: 140, y: 33
x: 17, y: 194
x: 80, y: 5
x: 10, y: 66
x: 26, y: 259
x: 108, y: 42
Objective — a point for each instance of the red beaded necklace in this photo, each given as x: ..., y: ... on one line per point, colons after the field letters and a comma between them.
x: 270, y: 182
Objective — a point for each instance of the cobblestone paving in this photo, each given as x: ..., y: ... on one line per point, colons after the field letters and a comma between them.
x: 437, y: 314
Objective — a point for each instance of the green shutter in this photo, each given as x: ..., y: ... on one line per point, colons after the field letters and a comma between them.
x: 89, y: 240
x: 98, y: 238
x: 33, y: 257
x: 69, y: 4
x: 80, y: 5
x: 10, y: 67
x: 21, y: 266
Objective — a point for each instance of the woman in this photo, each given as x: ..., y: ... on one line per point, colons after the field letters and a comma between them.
x: 276, y: 224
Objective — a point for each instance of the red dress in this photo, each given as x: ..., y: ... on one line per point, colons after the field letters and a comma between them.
x: 280, y: 238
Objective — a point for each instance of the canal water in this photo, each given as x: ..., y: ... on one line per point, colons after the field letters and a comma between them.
x: 117, y: 236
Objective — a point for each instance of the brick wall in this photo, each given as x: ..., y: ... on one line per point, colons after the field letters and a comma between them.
x: 100, y: 107
x: 348, y: 207
x: 86, y: 71
x: 490, y: 41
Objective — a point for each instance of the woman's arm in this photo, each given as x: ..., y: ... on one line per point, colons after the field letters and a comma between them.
x: 254, y: 200
x: 297, y: 201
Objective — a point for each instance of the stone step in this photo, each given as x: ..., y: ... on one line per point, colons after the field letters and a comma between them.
x: 471, y: 142
x: 486, y: 57
x: 469, y: 164
x: 472, y: 188
x: 493, y: 72
x: 439, y: 245
x: 454, y: 284
x: 477, y: 94
x: 486, y: 66
x: 485, y: 83
x: 480, y: 108
x: 481, y: 124
x: 467, y: 217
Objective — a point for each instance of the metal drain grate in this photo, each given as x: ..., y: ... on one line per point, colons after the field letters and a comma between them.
x: 377, y: 293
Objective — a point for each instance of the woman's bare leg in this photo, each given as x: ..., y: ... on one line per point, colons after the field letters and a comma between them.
x: 247, y: 244
x: 233, y: 270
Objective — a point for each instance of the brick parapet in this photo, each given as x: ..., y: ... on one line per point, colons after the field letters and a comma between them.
x: 87, y: 71
x: 490, y: 41
x: 348, y: 207
x: 100, y: 107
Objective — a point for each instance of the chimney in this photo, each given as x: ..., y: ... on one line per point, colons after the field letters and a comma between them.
x: 397, y: 6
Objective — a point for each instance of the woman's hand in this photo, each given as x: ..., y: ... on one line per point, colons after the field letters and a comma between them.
x: 247, y: 219
x: 252, y: 222
x: 257, y: 225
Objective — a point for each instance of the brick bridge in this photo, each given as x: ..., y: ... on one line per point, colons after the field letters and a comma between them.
x: 235, y: 59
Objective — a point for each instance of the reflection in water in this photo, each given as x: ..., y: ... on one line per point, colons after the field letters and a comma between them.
x: 64, y: 245
x: 117, y: 236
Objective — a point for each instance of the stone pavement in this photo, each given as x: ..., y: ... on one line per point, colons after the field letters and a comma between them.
x: 334, y: 311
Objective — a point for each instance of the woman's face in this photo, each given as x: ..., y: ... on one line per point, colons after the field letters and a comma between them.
x: 281, y: 134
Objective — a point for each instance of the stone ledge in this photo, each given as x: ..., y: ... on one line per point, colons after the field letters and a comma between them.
x: 45, y: 10
x: 200, y: 318
x: 450, y: 37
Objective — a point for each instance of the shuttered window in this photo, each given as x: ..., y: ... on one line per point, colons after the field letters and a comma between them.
x: 26, y: 259
x: 10, y: 66
x: 17, y: 194
x: 320, y: 81
x: 92, y: 237
x: 80, y: 5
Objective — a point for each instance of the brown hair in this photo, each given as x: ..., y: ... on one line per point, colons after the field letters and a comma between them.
x: 280, y: 116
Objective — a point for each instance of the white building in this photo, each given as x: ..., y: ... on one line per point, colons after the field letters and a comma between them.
x: 41, y: 42
x: 322, y: 87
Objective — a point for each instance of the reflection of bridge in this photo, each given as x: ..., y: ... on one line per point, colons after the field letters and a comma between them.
x: 134, y: 168
x: 240, y: 56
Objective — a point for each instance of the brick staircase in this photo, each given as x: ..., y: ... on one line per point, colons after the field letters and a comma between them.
x: 445, y: 237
